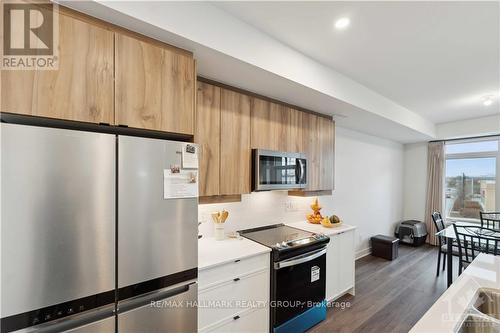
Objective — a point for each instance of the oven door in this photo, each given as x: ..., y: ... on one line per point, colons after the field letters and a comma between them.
x: 298, y: 284
x: 278, y: 170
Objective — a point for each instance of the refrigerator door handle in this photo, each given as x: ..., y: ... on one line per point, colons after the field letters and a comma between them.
x: 157, y: 295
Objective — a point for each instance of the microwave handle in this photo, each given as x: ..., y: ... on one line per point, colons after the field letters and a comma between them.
x: 298, y: 171
x: 301, y: 172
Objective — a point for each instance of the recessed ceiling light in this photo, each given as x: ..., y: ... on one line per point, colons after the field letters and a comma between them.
x: 342, y: 23
x: 487, y: 100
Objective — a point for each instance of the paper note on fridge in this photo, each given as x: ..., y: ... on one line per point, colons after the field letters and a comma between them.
x: 190, y: 157
x: 181, y: 184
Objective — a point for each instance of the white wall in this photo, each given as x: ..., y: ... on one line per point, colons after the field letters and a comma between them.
x: 470, y: 127
x: 415, y: 180
x: 368, y: 193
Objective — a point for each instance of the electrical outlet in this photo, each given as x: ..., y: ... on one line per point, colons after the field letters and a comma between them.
x: 291, y: 206
x: 204, y: 217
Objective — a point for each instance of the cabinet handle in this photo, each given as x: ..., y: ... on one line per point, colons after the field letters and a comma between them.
x: 237, y: 260
x: 236, y: 317
x: 236, y: 279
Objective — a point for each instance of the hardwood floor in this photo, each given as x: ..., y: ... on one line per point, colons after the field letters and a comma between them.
x: 391, y: 296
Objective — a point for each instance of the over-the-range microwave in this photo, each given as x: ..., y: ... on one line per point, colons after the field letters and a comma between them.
x: 274, y: 170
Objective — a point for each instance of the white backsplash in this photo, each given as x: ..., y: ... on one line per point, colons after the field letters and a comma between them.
x: 261, y: 208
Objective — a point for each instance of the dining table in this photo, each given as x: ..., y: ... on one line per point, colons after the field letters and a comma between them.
x: 449, y: 234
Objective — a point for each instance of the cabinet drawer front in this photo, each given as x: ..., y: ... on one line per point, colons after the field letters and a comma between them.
x: 232, y: 297
x: 210, y: 276
x: 249, y: 322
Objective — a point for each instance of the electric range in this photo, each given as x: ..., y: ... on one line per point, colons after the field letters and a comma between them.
x: 298, y: 276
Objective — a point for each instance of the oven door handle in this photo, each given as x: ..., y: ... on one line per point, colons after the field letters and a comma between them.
x: 299, y: 260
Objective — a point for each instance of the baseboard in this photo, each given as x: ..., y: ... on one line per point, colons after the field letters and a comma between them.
x: 363, y: 253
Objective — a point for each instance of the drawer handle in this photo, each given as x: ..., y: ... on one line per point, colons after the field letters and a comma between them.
x: 236, y: 317
x: 236, y: 279
x: 237, y: 260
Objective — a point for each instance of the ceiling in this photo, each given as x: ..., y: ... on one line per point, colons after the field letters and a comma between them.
x: 437, y: 59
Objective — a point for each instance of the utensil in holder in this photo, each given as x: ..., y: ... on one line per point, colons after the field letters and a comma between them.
x: 219, y: 218
x: 219, y: 231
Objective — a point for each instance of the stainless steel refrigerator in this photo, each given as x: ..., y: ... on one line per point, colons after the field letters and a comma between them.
x: 98, y: 232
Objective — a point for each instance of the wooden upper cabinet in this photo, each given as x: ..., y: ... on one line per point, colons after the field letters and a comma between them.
x: 235, y: 157
x: 327, y: 144
x: 207, y: 135
x: 296, y: 131
x: 178, y: 100
x: 260, y: 124
x: 269, y: 125
x: 319, y: 136
x: 154, y: 86
x: 80, y: 89
x: 313, y: 152
x: 138, y: 83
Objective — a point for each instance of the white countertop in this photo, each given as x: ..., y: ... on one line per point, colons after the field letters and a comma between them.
x: 212, y: 252
x: 450, y: 309
x: 318, y: 228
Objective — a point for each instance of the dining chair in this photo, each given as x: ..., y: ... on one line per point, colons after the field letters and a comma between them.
x: 490, y: 220
x: 472, y: 240
x: 442, y: 249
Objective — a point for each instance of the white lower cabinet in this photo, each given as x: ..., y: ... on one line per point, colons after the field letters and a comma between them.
x: 234, y: 297
x: 340, y: 264
x: 246, y: 322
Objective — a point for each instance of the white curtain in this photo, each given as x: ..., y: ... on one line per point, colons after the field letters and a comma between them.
x: 435, y: 181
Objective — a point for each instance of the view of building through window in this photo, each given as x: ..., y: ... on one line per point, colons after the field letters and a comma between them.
x: 470, y: 183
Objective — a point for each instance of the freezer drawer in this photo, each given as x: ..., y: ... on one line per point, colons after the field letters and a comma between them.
x: 58, y: 216
x: 102, y: 326
x: 157, y: 237
x: 171, y: 314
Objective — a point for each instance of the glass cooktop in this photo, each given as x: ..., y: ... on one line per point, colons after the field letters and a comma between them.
x: 278, y: 234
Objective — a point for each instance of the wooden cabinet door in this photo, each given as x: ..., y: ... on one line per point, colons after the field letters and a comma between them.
x: 154, y: 86
x: 80, y: 89
x: 260, y: 136
x: 326, y: 162
x: 179, y: 78
x: 207, y: 135
x: 235, y: 157
x: 318, y: 141
x: 313, y: 152
x: 138, y: 83
x: 295, y: 131
x: 269, y: 125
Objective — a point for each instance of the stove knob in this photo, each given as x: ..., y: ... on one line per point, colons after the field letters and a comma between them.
x: 284, y: 244
x: 278, y: 245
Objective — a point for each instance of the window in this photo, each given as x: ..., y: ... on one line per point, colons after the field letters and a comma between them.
x: 470, y: 182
